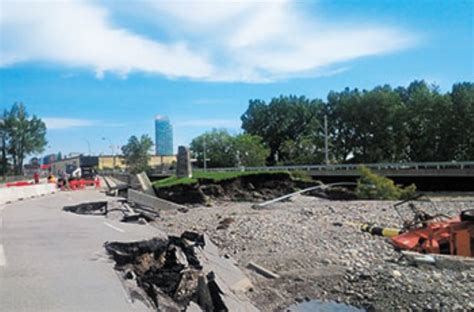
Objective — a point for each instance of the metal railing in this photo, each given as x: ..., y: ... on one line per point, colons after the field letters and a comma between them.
x: 346, y: 167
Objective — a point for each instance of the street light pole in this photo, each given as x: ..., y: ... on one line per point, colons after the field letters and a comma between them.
x: 88, y: 146
x: 112, y: 147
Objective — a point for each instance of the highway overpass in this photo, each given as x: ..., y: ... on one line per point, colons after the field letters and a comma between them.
x: 428, y: 176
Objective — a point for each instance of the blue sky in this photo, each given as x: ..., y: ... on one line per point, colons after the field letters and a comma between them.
x: 92, y: 69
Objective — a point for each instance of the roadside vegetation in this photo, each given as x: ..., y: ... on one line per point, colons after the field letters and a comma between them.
x: 373, y: 186
x: 20, y: 136
x: 136, y: 153
x: 416, y: 123
x: 215, y: 177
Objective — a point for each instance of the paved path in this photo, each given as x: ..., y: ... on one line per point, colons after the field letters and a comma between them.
x: 52, y: 260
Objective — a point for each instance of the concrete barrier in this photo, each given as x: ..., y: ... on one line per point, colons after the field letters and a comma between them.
x: 152, y: 201
x: 11, y: 194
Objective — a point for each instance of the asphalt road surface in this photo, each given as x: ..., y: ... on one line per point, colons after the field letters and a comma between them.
x: 52, y: 260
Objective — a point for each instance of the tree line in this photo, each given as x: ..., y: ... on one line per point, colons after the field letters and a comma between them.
x: 20, y: 136
x: 417, y: 123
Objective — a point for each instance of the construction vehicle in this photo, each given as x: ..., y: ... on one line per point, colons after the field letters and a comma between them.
x: 434, y: 233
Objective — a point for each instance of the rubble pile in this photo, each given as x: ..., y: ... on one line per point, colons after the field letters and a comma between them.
x: 171, y: 273
x: 311, y: 244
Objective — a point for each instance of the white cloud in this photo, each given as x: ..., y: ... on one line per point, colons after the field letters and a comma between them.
x: 215, y: 40
x: 211, y: 123
x: 65, y: 123
x: 78, y: 33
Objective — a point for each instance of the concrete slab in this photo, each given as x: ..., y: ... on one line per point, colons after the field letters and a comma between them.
x: 152, y: 201
x: 145, y: 184
x: 55, y: 260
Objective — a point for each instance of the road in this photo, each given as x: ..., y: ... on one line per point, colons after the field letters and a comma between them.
x: 52, y: 260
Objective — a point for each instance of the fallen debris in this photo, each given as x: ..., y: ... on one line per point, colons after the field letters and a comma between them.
x: 101, y: 208
x: 179, y: 272
x: 91, y: 208
x: 153, y: 202
x: 441, y: 261
x: 263, y: 271
x: 115, y: 187
x: 225, y: 223
x: 306, y: 190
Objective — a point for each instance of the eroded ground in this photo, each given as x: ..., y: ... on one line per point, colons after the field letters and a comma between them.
x: 310, y: 243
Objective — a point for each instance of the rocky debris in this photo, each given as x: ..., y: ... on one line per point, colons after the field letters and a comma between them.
x: 181, y: 272
x: 319, y: 256
x: 225, y: 223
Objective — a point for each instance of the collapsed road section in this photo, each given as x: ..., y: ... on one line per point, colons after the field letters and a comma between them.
x: 182, y: 273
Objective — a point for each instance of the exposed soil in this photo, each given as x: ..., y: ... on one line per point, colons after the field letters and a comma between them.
x: 250, y: 188
x: 318, y: 254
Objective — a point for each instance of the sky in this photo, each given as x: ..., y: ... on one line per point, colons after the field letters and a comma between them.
x: 98, y: 72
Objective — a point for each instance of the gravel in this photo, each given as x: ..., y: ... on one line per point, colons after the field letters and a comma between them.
x: 312, y: 244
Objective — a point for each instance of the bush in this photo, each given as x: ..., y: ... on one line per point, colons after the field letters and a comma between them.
x: 373, y: 186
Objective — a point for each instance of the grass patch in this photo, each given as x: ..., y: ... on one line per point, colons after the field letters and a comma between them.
x: 208, y: 175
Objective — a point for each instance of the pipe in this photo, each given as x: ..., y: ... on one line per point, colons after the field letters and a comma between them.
x: 380, y: 231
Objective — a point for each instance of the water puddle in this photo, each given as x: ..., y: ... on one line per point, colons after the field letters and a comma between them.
x: 322, y: 306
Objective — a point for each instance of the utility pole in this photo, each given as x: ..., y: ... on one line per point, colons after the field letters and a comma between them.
x: 326, y: 152
x: 204, y: 154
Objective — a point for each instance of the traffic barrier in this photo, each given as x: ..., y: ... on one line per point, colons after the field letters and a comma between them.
x: 11, y: 194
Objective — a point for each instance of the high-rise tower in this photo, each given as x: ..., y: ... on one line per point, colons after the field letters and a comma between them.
x: 163, y: 136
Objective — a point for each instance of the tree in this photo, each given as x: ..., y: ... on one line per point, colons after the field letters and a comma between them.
x: 429, y: 124
x: 366, y: 126
x: 305, y: 151
x: 23, y: 135
x: 224, y: 150
x: 462, y: 120
x: 136, y: 153
x: 219, y: 148
x: 250, y: 150
x: 3, y: 142
x: 284, y: 118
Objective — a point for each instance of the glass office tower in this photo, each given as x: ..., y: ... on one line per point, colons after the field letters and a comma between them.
x: 163, y: 136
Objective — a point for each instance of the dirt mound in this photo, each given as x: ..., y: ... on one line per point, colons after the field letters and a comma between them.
x: 253, y: 187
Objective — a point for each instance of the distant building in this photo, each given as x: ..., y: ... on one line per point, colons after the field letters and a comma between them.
x: 163, y: 136
x: 48, y: 159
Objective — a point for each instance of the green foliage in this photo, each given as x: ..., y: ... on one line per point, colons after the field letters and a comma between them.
x: 373, y: 186
x: 136, y: 153
x: 416, y: 123
x: 301, y: 175
x: 224, y: 150
x: 304, y: 151
x: 250, y: 150
x: 22, y: 135
x: 208, y: 175
x: 284, y: 119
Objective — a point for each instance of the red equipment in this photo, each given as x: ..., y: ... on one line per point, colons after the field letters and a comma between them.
x: 82, y: 183
x: 19, y: 183
x: 438, y: 233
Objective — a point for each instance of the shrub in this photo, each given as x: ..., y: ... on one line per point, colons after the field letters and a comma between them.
x: 373, y: 186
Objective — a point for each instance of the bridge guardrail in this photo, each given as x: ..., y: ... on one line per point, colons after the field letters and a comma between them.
x: 344, y: 167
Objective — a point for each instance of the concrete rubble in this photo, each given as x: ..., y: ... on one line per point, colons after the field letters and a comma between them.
x: 181, y: 273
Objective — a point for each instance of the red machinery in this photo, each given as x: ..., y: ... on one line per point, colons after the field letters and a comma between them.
x: 436, y: 233
x: 82, y: 183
